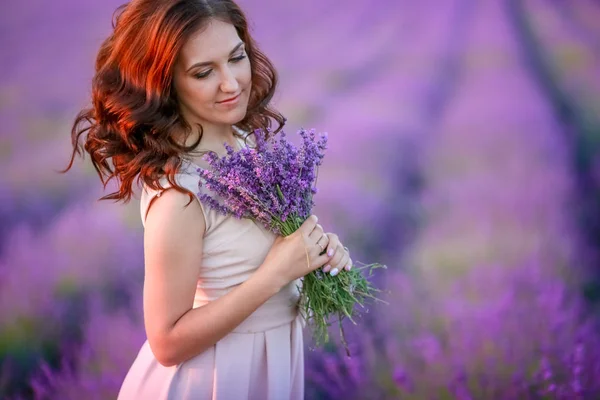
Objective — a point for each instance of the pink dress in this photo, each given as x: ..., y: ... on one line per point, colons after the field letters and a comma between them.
x: 261, y: 359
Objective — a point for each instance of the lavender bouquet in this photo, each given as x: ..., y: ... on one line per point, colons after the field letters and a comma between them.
x: 274, y: 184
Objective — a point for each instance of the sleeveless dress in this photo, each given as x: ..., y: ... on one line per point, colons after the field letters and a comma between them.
x: 262, y: 358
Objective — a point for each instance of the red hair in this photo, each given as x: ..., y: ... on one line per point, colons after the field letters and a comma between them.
x: 131, y: 125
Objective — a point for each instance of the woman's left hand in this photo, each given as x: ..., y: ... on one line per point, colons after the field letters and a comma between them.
x: 340, y: 256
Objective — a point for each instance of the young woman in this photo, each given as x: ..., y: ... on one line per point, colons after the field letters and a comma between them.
x: 178, y: 78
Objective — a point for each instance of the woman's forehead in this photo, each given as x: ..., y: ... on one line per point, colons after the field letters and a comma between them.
x: 213, y: 42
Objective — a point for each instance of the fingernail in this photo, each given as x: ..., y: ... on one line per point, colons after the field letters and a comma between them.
x: 326, y: 268
x: 330, y: 252
x: 348, y: 267
x: 334, y: 272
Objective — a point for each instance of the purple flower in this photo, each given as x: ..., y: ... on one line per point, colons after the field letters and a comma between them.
x: 272, y: 183
x: 402, y: 379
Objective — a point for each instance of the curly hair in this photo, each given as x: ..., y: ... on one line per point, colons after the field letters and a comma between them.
x: 132, y: 123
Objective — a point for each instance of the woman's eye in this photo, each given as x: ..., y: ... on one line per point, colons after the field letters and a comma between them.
x: 205, y: 74
x: 239, y: 58
x: 202, y: 75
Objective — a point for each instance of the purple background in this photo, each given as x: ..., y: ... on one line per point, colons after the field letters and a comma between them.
x: 464, y: 140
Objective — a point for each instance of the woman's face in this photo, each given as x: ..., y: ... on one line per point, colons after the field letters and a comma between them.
x: 213, y: 67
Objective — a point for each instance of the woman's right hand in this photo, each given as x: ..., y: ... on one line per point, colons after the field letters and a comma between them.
x: 294, y: 256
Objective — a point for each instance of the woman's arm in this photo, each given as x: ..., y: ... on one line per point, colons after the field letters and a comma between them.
x: 172, y: 251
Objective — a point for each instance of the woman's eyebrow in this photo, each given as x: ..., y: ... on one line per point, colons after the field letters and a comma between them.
x: 202, y: 64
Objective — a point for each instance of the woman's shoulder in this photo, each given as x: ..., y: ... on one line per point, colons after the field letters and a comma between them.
x: 184, y: 179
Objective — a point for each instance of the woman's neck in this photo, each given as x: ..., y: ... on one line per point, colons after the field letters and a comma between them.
x: 211, y: 141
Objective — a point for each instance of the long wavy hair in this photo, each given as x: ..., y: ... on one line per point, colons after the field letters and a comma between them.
x: 134, y: 118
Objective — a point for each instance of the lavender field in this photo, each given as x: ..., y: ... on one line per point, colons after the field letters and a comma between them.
x: 464, y: 154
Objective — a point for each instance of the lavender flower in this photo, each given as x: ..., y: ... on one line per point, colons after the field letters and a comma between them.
x: 273, y: 184
x: 270, y: 183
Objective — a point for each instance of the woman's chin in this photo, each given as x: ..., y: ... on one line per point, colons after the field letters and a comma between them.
x: 234, y: 118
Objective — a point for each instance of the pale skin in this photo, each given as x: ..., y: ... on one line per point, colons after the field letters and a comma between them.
x: 173, y: 234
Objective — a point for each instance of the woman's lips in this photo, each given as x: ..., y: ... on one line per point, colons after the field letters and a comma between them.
x: 230, y: 101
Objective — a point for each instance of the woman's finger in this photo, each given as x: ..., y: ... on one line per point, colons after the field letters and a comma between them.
x: 348, y: 264
x: 334, y: 242
x: 335, y: 264
x: 341, y: 264
x: 322, y: 243
x: 316, y: 233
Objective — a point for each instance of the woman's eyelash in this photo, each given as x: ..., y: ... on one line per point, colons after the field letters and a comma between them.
x: 205, y: 74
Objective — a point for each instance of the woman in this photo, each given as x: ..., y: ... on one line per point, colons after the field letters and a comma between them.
x: 178, y: 78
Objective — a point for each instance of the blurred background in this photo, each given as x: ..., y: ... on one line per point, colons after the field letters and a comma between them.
x: 464, y: 154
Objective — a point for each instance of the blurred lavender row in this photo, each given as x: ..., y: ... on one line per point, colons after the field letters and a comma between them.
x: 463, y: 154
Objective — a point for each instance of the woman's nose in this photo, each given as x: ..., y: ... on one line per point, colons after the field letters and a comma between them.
x: 228, y: 82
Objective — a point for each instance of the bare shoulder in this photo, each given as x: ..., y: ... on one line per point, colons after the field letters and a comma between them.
x: 172, y: 208
x: 172, y: 214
